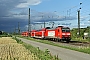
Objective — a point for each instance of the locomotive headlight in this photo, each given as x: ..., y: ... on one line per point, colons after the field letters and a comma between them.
x: 68, y: 33
x: 63, y: 33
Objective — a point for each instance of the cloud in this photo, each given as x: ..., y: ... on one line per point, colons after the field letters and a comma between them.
x: 28, y: 2
x: 50, y: 16
x: 6, y: 6
x: 14, y: 11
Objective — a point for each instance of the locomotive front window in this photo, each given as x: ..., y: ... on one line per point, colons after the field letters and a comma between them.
x: 65, y: 30
x: 48, y: 28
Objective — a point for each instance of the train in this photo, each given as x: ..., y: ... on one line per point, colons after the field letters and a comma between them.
x: 25, y: 34
x: 59, y: 33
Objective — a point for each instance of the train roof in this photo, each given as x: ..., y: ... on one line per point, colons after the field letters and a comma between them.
x: 33, y: 30
x: 62, y: 27
x: 49, y: 28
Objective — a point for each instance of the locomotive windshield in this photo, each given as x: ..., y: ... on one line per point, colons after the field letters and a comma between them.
x: 48, y: 28
x: 65, y: 30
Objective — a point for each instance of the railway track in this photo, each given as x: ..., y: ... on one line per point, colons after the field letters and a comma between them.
x: 74, y: 44
x: 77, y: 43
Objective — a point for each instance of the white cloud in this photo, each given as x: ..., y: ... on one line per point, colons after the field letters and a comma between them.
x: 28, y: 2
x: 6, y: 6
x: 20, y: 16
x: 9, y: 8
x: 34, y: 2
x: 22, y: 5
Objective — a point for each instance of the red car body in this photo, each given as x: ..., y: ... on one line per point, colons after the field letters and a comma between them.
x: 25, y: 34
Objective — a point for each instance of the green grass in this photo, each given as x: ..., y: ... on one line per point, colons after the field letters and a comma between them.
x: 43, y: 55
x: 5, y: 35
x: 84, y: 50
x: 80, y: 39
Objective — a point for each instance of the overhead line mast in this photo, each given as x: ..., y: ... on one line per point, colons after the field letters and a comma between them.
x: 18, y: 28
x: 29, y: 26
x: 79, y: 20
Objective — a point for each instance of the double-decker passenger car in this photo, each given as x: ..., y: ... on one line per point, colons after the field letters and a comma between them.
x: 25, y: 33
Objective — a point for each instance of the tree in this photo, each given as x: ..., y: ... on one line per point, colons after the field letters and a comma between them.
x: 0, y: 32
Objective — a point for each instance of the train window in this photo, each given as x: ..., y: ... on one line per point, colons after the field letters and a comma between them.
x: 65, y: 30
x: 48, y: 28
x: 58, y: 30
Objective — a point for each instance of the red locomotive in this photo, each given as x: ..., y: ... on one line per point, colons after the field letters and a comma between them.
x: 59, y: 33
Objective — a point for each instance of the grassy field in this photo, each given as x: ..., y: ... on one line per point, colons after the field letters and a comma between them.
x: 11, y: 50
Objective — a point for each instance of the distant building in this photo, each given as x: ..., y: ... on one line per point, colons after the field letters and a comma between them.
x: 85, y: 34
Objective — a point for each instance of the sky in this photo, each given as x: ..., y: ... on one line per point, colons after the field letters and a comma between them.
x: 61, y: 12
